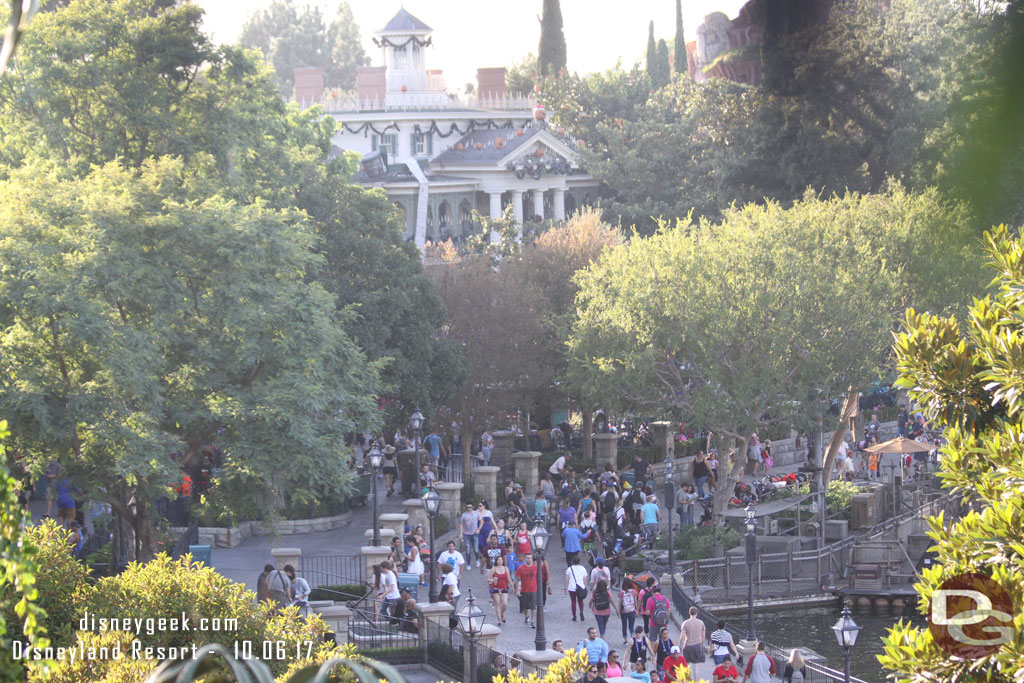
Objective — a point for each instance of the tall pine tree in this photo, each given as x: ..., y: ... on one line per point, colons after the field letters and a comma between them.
x: 679, y: 57
x: 663, y: 72
x: 652, y: 54
x: 552, y: 41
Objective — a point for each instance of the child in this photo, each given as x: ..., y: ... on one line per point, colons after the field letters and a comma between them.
x: 766, y: 458
x: 873, y: 466
x: 640, y: 673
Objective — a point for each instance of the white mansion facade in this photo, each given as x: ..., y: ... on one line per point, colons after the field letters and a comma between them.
x: 441, y: 156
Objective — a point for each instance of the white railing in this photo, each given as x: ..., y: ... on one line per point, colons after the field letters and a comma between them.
x: 426, y: 101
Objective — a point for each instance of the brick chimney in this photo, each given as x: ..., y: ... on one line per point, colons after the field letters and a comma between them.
x: 490, y: 82
x: 371, y: 83
x: 309, y: 84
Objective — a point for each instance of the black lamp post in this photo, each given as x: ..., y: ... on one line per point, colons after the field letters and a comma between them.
x: 751, y: 557
x: 670, y: 496
x: 416, y: 424
x: 540, y: 536
x: 375, y: 460
x: 846, y: 630
x: 432, y: 506
x: 471, y: 621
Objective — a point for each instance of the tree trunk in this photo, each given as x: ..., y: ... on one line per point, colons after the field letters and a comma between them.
x: 729, y: 473
x: 588, y: 434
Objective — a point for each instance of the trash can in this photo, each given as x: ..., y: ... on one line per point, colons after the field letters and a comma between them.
x: 201, y: 553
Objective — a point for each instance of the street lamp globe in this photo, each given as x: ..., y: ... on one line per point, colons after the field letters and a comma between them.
x: 669, y: 470
x: 750, y: 521
x: 431, y: 502
x: 416, y: 421
x: 375, y: 457
x: 846, y: 630
x: 471, y: 617
x: 540, y: 538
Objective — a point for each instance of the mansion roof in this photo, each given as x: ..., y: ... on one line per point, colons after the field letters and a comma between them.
x: 404, y: 22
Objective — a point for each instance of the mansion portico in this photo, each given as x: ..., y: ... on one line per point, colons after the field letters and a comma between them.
x: 442, y: 156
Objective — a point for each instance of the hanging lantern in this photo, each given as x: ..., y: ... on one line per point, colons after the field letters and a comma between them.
x: 539, y: 152
x: 460, y: 146
x: 519, y: 132
x: 479, y: 146
x: 539, y: 113
x: 499, y: 142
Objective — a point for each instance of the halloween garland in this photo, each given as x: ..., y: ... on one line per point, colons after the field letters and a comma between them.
x: 535, y: 165
x: 386, y: 42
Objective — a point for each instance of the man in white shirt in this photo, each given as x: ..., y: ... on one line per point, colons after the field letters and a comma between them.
x: 453, y: 558
x: 389, y: 592
x: 557, y: 469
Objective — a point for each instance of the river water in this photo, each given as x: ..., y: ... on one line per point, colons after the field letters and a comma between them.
x: 811, y: 627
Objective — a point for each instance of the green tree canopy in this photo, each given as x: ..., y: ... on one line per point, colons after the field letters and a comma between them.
x: 679, y: 61
x: 551, y: 54
x: 967, y: 379
x: 652, y: 54
x: 290, y: 38
x: 521, y: 77
x: 663, y: 69
x: 747, y: 323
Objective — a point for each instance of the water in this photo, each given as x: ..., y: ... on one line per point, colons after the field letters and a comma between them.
x: 811, y: 627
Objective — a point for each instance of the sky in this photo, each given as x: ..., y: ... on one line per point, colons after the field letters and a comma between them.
x: 482, y: 33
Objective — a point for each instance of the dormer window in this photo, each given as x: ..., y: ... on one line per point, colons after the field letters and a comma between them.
x: 400, y: 58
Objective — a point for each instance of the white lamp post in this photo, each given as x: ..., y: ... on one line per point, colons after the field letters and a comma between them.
x: 471, y: 621
x: 375, y: 460
x: 432, y: 506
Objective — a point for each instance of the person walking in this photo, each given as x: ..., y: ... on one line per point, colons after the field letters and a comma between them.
x: 498, y: 580
x: 662, y: 649
x: 614, y: 667
x: 572, y: 542
x: 598, y: 573
x: 692, y: 636
x: 601, y: 605
x: 721, y: 644
x: 435, y: 448
x: 639, y: 648
x: 672, y: 664
x: 471, y: 522
x: 796, y: 670
x: 597, y: 649
x: 452, y: 558
x: 262, y: 592
x: 388, y: 591
x: 389, y: 468
x: 526, y: 589
x: 701, y: 473
x: 416, y: 565
x: 627, y: 609
x: 279, y: 587
x: 725, y: 672
x: 760, y: 667
x: 576, y: 586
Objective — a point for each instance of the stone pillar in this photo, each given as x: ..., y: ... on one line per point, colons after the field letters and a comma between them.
x: 504, y: 444
x: 559, y: 204
x: 538, y: 203
x: 607, y: 451
x: 485, y: 482
x: 661, y: 432
x: 337, y: 618
x: 436, y: 612
x: 407, y: 470
x: 386, y: 534
x: 416, y: 513
x: 539, y: 659
x: 396, y: 521
x: 526, y: 471
x: 495, y: 213
x: 451, y: 500
x: 283, y: 556
x: 373, y: 555
x: 517, y: 206
x: 488, y: 638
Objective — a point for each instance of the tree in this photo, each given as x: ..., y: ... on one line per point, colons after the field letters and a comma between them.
x: 663, y: 72
x: 180, y: 320
x: 679, y: 60
x: 551, y: 55
x: 289, y: 39
x: 493, y: 316
x: 965, y: 377
x: 652, y: 55
x: 744, y: 324
x: 521, y: 77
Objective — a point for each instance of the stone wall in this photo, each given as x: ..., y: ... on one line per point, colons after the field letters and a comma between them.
x: 231, y: 537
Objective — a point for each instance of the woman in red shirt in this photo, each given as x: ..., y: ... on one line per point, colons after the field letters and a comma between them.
x: 523, y: 547
x: 497, y: 580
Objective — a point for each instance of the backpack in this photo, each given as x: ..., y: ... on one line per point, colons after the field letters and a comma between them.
x: 798, y: 676
x: 628, y: 602
x: 608, y: 502
x: 602, y: 600
x: 660, y: 616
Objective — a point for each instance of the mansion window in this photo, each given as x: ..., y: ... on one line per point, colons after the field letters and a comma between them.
x: 400, y: 58
x: 387, y: 142
x: 422, y: 144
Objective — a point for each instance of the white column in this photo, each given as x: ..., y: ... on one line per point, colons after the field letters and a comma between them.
x: 517, y: 205
x: 538, y: 203
x: 559, y: 204
x: 495, y: 214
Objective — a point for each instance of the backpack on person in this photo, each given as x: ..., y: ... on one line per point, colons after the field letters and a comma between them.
x: 602, y: 600
x: 628, y: 602
x: 660, y: 616
x: 798, y: 676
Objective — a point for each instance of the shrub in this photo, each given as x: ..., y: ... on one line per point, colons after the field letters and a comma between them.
x: 444, y: 653
x: 694, y: 543
x: 61, y: 576
x: 839, y: 497
x: 99, y: 669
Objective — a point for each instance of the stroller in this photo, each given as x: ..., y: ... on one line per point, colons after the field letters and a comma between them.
x: 707, y: 504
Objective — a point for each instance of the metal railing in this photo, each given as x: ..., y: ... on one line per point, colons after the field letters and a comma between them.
x: 389, y: 638
x: 327, y: 570
x: 802, y: 567
x: 445, y: 649
x: 816, y: 673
